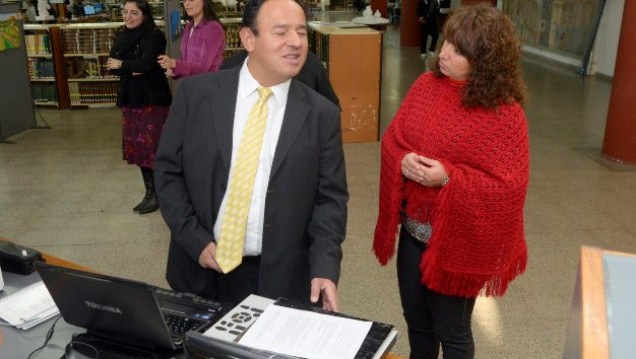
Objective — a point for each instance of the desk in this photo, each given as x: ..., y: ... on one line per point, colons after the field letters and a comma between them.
x: 603, y: 312
x: 15, y: 343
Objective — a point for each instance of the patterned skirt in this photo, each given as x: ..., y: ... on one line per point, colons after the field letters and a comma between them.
x: 141, y: 131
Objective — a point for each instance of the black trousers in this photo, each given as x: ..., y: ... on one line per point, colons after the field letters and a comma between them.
x: 426, y: 30
x: 238, y: 284
x: 432, y: 318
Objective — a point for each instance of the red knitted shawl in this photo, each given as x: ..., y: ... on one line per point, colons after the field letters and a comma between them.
x: 478, y: 243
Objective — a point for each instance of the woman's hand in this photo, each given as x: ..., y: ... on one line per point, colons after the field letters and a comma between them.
x: 113, y: 64
x: 166, y: 62
x: 423, y: 170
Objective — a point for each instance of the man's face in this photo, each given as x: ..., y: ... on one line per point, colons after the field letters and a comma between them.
x: 279, y: 50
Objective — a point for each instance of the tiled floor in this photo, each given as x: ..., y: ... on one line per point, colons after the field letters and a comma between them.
x: 66, y: 191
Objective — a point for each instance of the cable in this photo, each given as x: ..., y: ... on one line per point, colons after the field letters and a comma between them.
x: 49, y: 335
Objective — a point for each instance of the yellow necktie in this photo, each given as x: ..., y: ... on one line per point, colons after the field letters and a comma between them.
x: 229, y: 247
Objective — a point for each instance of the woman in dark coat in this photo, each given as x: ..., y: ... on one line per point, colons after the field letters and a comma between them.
x: 144, y: 94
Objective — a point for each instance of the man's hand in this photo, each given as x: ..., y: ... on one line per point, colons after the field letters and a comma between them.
x: 206, y: 258
x: 325, y: 288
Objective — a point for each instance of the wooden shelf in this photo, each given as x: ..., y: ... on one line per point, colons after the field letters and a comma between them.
x: 94, y: 79
x: 87, y: 56
x: 43, y: 56
x: 96, y: 105
x: 46, y: 103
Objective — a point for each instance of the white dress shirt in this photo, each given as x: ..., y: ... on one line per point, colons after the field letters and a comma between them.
x: 245, y: 100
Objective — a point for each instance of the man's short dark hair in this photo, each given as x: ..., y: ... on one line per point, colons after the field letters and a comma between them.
x: 252, y: 8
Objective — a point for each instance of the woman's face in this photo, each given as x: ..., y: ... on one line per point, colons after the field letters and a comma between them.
x: 133, y: 17
x: 452, y: 63
x: 194, y: 8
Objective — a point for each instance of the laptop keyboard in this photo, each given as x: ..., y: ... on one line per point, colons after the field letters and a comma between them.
x: 184, y: 312
x: 179, y: 325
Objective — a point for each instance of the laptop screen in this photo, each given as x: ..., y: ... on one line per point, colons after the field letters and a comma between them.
x: 116, y: 308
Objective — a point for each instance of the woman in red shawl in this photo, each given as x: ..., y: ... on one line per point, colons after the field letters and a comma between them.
x: 454, y: 176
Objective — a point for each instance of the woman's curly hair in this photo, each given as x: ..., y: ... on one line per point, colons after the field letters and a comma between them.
x: 487, y: 39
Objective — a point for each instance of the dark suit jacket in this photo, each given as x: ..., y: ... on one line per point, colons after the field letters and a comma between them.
x: 305, y: 209
x: 312, y: 74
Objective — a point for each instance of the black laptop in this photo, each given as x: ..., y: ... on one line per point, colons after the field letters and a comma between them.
x: 127, y: 311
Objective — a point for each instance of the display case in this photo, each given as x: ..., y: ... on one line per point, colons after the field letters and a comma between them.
x: 232, y: 39
x: 353, y: 58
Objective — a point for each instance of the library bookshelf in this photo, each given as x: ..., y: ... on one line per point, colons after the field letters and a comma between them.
x: 67, y: 62
x: 86, y: 50
x: 44, y: 62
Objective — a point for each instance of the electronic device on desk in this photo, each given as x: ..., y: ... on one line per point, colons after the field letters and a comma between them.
x: 124, y: 311
x: 220, y: 341
x: 238, y: 319
x: 18, y: 259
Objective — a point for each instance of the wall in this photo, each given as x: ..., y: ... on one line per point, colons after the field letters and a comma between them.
x: 16, y: 104
x: 606, y: 44
x: 559, y: 30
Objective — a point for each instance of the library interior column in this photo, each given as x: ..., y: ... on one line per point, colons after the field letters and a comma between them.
x: 619, y: 143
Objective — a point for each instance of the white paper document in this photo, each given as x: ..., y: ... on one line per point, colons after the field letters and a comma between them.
x: 306, y: 334
x: 28, y: 307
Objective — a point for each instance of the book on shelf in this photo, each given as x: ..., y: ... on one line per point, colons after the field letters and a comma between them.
x: 40, y: 68
x: 37, y: 44
x: 88, y: 41
x: 43, y: 92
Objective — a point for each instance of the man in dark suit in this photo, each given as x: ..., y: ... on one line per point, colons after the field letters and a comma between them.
x: 297, y: 214
x: 312, y: 74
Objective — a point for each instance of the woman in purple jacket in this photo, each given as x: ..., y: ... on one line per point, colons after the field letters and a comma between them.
x: 202, y: 44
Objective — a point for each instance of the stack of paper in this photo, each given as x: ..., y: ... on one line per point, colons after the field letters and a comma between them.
x: 306, y: 334
x: 28, y: 307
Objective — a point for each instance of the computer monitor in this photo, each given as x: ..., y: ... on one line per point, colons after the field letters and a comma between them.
x: 99, y: 7
x: 89, y: 10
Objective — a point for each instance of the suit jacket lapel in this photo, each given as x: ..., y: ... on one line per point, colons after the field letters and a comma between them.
x: 223, y: 105
x: 294, y: 119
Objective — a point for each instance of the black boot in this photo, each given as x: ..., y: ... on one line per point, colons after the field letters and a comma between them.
x: 144, y: 175
x: 149, y: 203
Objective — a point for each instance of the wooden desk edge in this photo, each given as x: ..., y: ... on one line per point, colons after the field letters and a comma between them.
x: 595, y: 339
x: 51, y: 259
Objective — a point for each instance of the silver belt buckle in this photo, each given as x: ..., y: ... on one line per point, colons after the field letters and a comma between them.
x: 420, y: 231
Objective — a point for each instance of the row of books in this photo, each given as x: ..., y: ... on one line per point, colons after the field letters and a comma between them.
x: 37, y: 44
x: 88, y: 41
x: 43, y: 92
x: 93, y: 92
x: 89, y: 68
x: 40, y: 68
